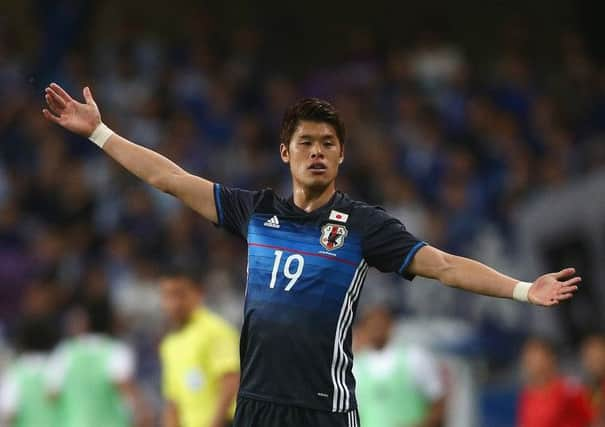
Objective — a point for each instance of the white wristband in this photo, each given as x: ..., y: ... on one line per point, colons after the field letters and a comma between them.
x: 100, y: 135
x: 521, y: 291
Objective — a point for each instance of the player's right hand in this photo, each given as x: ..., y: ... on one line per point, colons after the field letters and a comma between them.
x: 74, y: 116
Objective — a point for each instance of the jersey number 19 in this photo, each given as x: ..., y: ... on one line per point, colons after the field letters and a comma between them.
x: 288, y: 273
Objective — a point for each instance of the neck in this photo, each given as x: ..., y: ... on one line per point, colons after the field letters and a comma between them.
x: 379, y: 346
x: 544, y: 379
x: 182, y: 322
x: 309, y: 199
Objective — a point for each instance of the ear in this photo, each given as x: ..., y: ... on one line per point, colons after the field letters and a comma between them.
x: 284, y: 153
x: 342, y: 154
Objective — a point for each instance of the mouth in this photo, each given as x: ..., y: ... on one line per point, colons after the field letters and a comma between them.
x: 317, y: 168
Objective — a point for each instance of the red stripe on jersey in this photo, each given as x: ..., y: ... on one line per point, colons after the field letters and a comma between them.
x: 296, y: 251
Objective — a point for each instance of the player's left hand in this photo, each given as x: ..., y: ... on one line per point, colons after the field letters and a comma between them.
x: 552, y: 288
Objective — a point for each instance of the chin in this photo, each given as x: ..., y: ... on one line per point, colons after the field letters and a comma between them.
x: 318, y: 185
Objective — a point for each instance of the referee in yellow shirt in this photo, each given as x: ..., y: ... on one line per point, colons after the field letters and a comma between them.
x: 200, y: 358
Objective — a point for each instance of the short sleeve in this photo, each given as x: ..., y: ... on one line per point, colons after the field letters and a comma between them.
x: 387, y: 245
x: 121, y: 363
x: 578, y: 401
x: 57, y: 369
x: 224, y: 353
x: 169, y: 389
x: 426, y: 373
x: 234, y: 207
x: 9, y: 396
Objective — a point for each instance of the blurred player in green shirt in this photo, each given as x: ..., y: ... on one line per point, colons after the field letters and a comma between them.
x: 24, y: 401
x: 396, y: 386
x: 200, y: 358
x: 91, y: 376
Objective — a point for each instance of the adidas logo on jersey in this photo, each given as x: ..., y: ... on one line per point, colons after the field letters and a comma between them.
x: 272, y: 222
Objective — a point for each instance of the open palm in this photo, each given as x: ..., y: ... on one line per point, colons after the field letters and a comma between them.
x: 74, y: 116
x: 552, y: 288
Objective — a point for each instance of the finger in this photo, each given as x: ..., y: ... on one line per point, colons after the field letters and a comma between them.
x: 572, y: 281
x: 50, y: 116
x: 52, y: 104
x: 566, y: 289
x: 88, y: 96
x: 564, y: 297
x: 50, y: 92
x: 61, y: 92
x: 56, y: 104
x: 566, y: 272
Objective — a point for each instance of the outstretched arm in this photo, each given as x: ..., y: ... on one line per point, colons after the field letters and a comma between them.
x: 464, y: 273
x: 153, y: 168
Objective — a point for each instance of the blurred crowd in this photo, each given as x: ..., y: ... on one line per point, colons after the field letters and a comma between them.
x: 451, y: 143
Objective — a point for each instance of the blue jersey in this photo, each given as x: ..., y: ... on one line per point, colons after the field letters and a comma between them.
x: 305, y: 274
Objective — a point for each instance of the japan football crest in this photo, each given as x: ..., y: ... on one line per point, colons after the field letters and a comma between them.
x: 333, y: 236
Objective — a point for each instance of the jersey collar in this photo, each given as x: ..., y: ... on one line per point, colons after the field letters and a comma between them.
x: 320, y: 210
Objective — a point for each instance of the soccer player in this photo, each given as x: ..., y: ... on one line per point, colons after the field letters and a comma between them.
x: 593, y: 361
x: 24, y: 401
x: 549, y: 399
x: 200, y: 358
x: 397, y: 386
x: 91, y: 376
x: 308, y: 256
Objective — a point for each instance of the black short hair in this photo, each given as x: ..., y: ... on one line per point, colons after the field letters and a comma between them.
x: 593, y: 334
x: 37, y: 334
x: 312, y: 110
x: 189, y: 273
x: 382, y: 306
x: 544, y: 342
x: 100, y: 316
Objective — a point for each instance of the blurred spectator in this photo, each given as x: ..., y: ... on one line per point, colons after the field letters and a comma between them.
x: 593, y: 362
x: 548, y: 398
x: 200, y: 358
x: 24, y: 398
x: 91, y: 376
x: 396, y: 386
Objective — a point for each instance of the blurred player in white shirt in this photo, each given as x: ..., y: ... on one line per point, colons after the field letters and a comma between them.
x: 24, y: 400
x: 92, y: 377
x: 397, y: 386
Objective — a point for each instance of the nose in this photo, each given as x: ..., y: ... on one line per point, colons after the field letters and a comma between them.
x: 316, y: 151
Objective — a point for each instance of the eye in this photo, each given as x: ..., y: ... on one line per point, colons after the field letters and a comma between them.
x: 305, y: 142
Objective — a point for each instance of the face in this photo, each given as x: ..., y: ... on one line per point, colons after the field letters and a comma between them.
x: 377, y: 326
x: 538, y: 362
x: 77, y: 322
x: 593, y: 356
x: 314, y: 154
x: 180, y: 298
